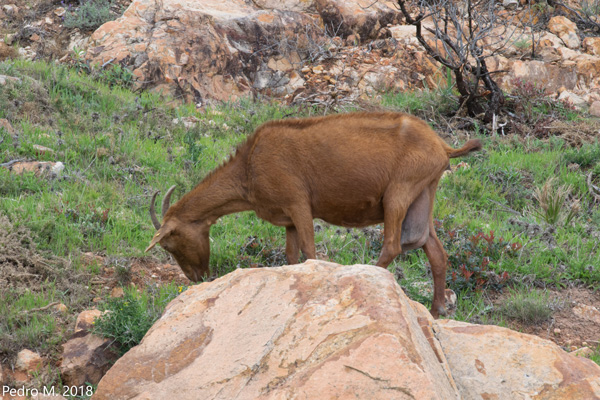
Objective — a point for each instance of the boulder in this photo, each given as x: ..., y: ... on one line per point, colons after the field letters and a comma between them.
x: 86, y: 358
x: 322, y: 331
x: 550, y: 76
x: 221, y: 50
x: 363, y: 18
x: 566, y: 30
x: 317, y: 330
x: 591, y: 45
x: 490, y: 362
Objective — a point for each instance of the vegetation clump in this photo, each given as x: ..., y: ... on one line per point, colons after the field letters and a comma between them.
x: 89, y: 15
x: 529, y: 307
x: 127, y: 319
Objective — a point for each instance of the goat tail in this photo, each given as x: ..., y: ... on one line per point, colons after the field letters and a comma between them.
x: 471, y: 145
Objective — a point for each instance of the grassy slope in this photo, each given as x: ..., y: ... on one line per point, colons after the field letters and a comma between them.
x: 118, y: 147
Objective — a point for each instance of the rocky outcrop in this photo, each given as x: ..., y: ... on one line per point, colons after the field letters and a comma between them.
x: 321, y: 330
x: 225, y: 49
x: 566, y: 30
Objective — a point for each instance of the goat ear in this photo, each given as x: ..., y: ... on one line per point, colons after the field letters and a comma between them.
x: 158, y: 236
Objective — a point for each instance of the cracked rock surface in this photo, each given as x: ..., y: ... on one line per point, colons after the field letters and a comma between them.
x: 316, y: 330
x: 320, y: 330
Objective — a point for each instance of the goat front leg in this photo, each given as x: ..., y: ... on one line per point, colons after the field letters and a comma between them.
x: 302, y: 219
x: 438, y: 259
x: 291, y: 245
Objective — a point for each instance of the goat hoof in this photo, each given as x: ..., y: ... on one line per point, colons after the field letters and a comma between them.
x: 438, y: 311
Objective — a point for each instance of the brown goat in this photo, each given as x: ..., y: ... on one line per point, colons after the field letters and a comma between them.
x: 351, y: 170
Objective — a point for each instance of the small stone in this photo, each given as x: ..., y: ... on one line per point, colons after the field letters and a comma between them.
x: 42, y: 149
x: 9, y: 39
x: 450, y: 299
x: 590, y: 313
x: 102, y: 152
x: 28, y: 361
x: 85, y: 320
x: 573, y: 99
x: 557, y: 331
x: 4, y: 124
x: 188, y: 122
x: 117, y: 292
x: 61, y: 308
x: 11, y: 10
x: 583, y: 352
x: 39, y: 168
x: 595, y: 108
x: 510, y: 4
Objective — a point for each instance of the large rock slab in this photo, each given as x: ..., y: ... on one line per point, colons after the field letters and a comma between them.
x: 315, y: 331
x: 214, y: 49
x: 324, y: 331
x: 490, y: 362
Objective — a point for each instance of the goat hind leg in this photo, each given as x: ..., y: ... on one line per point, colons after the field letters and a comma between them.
x: 438, y: 259
x: 392, y: 236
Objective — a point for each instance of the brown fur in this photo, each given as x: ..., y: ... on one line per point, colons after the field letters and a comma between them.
x: 349, y: 169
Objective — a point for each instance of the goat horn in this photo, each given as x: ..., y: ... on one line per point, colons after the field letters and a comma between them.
x: 167, y: 200
x: 153, y: 212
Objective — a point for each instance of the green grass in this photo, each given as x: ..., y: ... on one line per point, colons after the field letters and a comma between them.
x: 118, y: 147
x: 529, y: 307
x: 128, y: 318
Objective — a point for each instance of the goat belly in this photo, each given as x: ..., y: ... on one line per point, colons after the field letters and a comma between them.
x: 350, y: 214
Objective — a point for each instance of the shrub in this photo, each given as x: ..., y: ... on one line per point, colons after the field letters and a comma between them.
x: 470, y: 255
x: 115, y: 75
x: 131, y: 316
x: 89, y: 15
